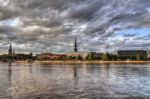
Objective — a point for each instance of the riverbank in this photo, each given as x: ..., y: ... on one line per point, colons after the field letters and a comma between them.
x: 82, y: 62
x: 93, y: 62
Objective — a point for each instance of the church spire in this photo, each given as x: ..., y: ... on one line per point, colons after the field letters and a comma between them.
x: 75, y: 45
x: 10, y: 50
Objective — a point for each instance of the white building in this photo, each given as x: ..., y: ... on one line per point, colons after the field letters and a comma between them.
x: 83, y: 55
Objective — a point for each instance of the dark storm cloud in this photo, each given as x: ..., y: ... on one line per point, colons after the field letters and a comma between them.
x: 52, y: 24
x: 7, y: 13
x: 8, y: 32
x: 85, y: 10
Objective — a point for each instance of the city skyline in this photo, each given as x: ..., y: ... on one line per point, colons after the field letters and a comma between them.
x: 51, y: 25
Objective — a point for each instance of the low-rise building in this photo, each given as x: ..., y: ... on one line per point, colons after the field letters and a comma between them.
x: 132, y: 54
x: 51, y: 56
x: 75, y: 55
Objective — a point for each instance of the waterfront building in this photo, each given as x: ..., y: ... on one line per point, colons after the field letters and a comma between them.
x: 51, y: 56
x: 132, y: 54
x: 21, y: 56
x: 75, y: 55
x: 13, y: 56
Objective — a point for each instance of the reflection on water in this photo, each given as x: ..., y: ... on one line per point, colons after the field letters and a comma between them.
x: 9, y: 72
x: 37, y: 81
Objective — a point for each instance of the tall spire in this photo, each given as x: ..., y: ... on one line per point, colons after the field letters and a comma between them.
x: 10, y: 50
x: 10, y: 47
x: 75, y: 45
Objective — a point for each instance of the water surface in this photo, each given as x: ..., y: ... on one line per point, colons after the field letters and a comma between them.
x: 38, y: 81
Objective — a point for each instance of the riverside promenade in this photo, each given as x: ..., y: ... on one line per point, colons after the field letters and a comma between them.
x: 93, y: 62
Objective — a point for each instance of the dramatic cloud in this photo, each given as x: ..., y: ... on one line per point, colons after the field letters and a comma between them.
x: 51, y: 25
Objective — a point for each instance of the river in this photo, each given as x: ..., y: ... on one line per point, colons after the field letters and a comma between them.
x: 95, y: 81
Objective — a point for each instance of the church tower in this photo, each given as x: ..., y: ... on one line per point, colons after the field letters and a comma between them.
x: 75, y: 45
x: 10, y: 50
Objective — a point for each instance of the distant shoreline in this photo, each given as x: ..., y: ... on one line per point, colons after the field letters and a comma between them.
x: 87, y: 62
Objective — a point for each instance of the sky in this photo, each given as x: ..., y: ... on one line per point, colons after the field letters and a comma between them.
x: 51, y: 25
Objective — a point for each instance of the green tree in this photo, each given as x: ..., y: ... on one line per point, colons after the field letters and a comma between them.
x: 105, y: 57
x: 138, y: 57
x: 30, y: 56
x: 90, y: 57
x: 133, y: 57
x: 79, y: 57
